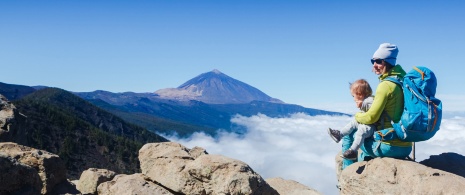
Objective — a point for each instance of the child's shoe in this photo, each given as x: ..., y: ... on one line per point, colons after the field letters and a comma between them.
x: 335, y: 134
x: 350, y: 154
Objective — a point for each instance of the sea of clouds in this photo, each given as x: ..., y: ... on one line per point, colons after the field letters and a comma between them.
x: 299, y: 148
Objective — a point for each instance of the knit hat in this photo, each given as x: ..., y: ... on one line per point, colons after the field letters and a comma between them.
x: 387, y: 52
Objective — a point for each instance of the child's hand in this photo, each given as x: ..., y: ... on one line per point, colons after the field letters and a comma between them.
x: 359, y: 104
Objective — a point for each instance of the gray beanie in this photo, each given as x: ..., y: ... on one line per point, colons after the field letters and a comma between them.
x: 387, y: 52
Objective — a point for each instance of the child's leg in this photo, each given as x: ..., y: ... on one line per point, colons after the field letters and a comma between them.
x: 363, y: 131
x: 349, y: 128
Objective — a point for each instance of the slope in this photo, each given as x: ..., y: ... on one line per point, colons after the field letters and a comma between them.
x: 82, y: 134
x: 14, y: 92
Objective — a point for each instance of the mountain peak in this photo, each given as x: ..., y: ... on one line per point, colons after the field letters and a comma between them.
x: 216, y: 87
x: 216, y: 71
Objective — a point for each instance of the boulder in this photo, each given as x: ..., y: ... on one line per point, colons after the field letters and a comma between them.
x: 197, y: 151
x: 17, y: 177
x: 165, y: 163
x: 393, y: 176
x: 195, y: 172
x: 7, y: 115
x: 67, y: 187
x: 290, y: 187
x: 450, y: 162
x: 131, y: 184
x: 47, y: 166
x: 91, y: 178
x: 223, y: 175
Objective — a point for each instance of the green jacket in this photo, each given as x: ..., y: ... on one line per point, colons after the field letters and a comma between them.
x: 389, y: 97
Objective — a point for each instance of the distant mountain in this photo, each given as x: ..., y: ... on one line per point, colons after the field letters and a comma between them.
x: 14, y: 92
x: 205, y: 103
x: 216, y: 88
x: 161, y: 117
x: 145, y: 110
x: 82, y: 134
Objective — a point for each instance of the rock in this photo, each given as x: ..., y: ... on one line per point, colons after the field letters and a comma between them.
x: 91, y: 178
x: 131, y: 184
x: 67, y: 187
x: 393, y: 176
x: 290, y: 187
x: 338, y: 167
x: 165, y: 163
x: 197, y: 151
x: 189, y: 172
x: 7, y: 115
x: 18, y: 178
x: 223, y: 175
x: 48, y: 167
x: 450, y: 162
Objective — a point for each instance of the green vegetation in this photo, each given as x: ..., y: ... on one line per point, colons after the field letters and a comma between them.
x: 148, y: 119
x: 83, y: 135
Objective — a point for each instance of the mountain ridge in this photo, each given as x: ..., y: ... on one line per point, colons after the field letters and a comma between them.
x: 82, y: 134
x: 189, y: 115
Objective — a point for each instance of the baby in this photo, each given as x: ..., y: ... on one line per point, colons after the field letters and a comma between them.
x: 362, y: 93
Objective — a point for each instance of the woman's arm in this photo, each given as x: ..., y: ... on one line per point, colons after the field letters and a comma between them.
x: 379, y: 103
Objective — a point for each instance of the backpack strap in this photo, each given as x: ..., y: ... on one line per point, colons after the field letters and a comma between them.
x: 394, y: 79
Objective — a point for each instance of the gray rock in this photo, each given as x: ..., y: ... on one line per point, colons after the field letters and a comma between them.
x: 7, y: 115
x: 393, y: 176
x: 197, y: 151
x: 290, y: 187
x: 91, y: 178
x: 223, y: 175
x: 65, y: 188
x: 49, y: 167
x: 450, y: 162
x: 131, y: 184
x: 174, y: 167
x: 18, y: 178
x: 165, y: 163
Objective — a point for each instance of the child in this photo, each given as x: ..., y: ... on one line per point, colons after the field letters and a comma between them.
x: 362, y: 93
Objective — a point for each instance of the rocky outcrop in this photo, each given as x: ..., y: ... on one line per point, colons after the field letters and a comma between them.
x: 28, y: 168
x: 172, y: 166
x: 7, y: 115
x: 91, y: 178
x: 393, y: 176
x: 450, y: 162
x: 131, y: 184
x: 18, y: 178
x: 290, y: 187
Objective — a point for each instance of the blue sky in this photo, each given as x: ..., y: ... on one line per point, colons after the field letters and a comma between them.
x: 302, y: 52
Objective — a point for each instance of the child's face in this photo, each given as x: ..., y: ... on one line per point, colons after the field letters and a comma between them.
x: 358, y: 98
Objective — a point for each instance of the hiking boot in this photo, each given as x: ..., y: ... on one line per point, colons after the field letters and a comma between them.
x: 350, y: 154
x: 335, y: 134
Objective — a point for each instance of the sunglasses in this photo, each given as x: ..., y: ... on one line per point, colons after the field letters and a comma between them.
x: 378, y: 61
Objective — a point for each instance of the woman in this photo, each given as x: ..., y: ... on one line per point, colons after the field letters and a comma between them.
x: 387, y: 104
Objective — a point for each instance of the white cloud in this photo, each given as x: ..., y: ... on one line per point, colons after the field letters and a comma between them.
x: 299, y: 148
x: 449, y: 138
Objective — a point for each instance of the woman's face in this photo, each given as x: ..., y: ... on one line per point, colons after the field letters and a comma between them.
x: 379, y: 67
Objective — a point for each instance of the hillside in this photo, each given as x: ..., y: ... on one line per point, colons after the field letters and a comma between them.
x: 190, y: 116
x: 14, y: 92
x: 162, y: 120
x: 82, y: 134
x: 204, y: 103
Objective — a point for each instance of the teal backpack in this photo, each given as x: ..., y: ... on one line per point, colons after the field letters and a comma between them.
x: 422, y: 113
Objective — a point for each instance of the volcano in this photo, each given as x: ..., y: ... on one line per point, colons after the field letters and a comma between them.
x: 215, y: 87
